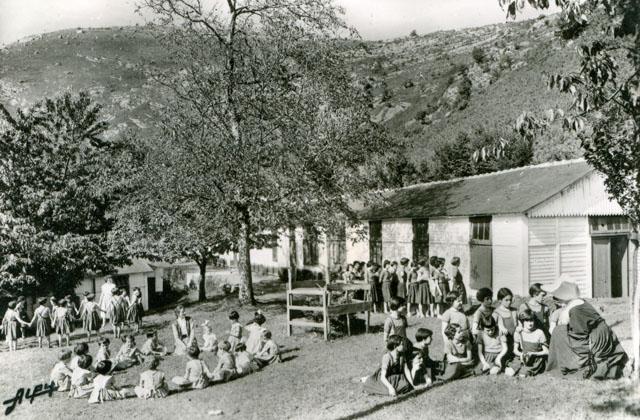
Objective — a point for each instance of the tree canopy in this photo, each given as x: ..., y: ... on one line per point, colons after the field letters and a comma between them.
x: 270, y: 126
x: 54, y: 209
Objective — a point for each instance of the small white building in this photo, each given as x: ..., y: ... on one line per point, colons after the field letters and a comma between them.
x: 145, y: 274
x: 511, y: 229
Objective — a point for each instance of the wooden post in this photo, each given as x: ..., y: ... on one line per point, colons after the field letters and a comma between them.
x: 348, y: 324
x: 289, y: 303
x: 325, y: 312
x: 366, y: 324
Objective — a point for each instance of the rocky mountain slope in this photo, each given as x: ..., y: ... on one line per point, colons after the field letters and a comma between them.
x: 425, y: 88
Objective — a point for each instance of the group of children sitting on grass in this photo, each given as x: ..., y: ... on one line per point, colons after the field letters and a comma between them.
x: 82, y: 375
x: 500, y: 340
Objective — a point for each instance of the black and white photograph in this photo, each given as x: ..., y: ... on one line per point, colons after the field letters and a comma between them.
x: 320, y: 209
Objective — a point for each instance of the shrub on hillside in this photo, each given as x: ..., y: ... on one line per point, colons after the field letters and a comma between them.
x: 479, y: 55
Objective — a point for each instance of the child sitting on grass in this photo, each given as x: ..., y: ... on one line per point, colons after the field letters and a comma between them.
x: 196, y: 375
x: 391, y: 377
x: 396, y: 322
x: 485, y: 311
x: 235, y: 332
x: 152, y: 383
x: 152, y: 347
x: 61, y: 374
x: 455, y: 313
x: 245, y: 363
x: 423, y: 369
x: 81, y: 377
x: 128, y: 355
x: 458, y: 358
x: 79, y: 350
x: 103, y: 351
x: 104, y: 388
x: 255, y: 330
x: 492, y: 348
x: 226, y: 367
x: 531, y: 345
x: 269, y: 352
x: 210, y: 339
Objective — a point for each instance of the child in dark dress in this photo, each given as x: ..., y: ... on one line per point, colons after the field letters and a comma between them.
x: 531, y: 345
x: 423, y: 369
x: 391, y: 377
x: 458, y: 358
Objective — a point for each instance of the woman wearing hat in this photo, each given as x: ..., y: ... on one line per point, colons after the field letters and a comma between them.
x: 582, y: 342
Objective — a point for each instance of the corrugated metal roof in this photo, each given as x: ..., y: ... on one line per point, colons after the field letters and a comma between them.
x: 586, y: 197
x: 511, y: 191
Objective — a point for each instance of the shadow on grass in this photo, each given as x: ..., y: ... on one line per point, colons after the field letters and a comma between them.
x: 288, y: 358
x: 388, y: 403
x: 623, y: 399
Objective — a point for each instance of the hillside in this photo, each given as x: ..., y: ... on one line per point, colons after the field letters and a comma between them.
x: 426, y: 88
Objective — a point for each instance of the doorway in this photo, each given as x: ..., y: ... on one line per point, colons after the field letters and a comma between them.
x: 610, y: 266
x: 481, y: 253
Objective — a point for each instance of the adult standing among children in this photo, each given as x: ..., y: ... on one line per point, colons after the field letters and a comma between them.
x: 582, y: 342
x: 184, y: 334
x: 106, y: 299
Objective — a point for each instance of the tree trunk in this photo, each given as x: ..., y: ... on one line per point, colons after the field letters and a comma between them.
x: 635, y: 315
x: 293, y: 255
x: 202, y: 292
x: 245, y: 292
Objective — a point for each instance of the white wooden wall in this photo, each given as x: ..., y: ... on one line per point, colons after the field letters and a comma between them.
x: 509, y: 251
x: 560, y: 245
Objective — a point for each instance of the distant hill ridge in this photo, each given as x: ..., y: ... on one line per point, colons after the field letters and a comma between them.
x: 426, y: 88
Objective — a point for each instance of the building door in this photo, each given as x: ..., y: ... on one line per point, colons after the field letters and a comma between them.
x: 481, y: 253
x: 151, y: 291
x: 375, y: 241
x: 610, y: 266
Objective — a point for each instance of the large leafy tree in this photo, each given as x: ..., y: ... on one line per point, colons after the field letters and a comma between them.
x: 284, y: 134
x: 53, y: 205
x: 605, y: 89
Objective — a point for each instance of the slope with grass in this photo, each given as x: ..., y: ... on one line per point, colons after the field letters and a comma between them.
x: 426, y: 89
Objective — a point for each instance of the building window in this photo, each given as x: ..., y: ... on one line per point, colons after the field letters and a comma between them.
x: 122, y: 282
x: 608, y: 225
x: 375, y: 241
x: 480, y: 229
x: 420, y: 239
x: 310, y: 246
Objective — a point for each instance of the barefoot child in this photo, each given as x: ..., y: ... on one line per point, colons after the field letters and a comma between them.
x: 531, y: 345
x: 459, y: 361
x: 492, y: 348
x: 104, y: 388
x: 61, y: 374
x: 152, y: 384
x: 42, y: 321
x: 391, y: 377
x: 396, y: 322
x: 269, y: 352
x: 196, y: 374
x: 226, y: 368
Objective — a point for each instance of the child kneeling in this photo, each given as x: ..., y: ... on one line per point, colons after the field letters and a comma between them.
x: 492, y: 347
x: 458, y: 358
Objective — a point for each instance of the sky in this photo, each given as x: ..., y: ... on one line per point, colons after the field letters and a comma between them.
x: 374, y: 19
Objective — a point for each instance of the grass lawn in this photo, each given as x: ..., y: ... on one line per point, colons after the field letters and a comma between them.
x: 317, y: 379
